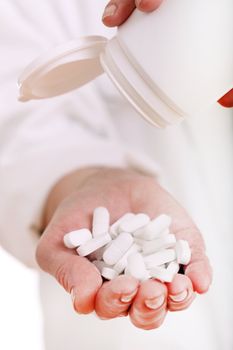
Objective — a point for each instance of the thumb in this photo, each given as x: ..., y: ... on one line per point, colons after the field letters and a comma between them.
x: 117, y: 11
x: 198, y: 269
x: 76, y: 274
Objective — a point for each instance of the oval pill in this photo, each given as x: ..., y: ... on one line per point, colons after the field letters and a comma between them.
x: 173, y: 267
x: 134, y: 223
x: 136, y: 267
x: 122, y: 263
x: 93, y: 244
x: 76, y: 238
x: 167, y: 241
x: 98, y: 254
x: 114, y: 228
x: 160, y: 258
x: 148, y: 234
x: 109, y: 273
x: 139, y: 241
x: 155, y: 228
x: 118, y: 248
x: 183, y: 252
x: 100, y: 221
x: 161, y: 274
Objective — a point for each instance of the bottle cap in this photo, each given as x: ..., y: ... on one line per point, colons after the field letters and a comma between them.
x: 65, y: 68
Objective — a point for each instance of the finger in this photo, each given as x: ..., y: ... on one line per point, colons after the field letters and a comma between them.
x: 200, y: 273
x: 115, y: 297
x: 117, y: 11
x: 180, y: 293
x: 148, y: 5
x: 149, y: 306
x: 227, y: 100
x: 198, y: 270
x: 76, y: 274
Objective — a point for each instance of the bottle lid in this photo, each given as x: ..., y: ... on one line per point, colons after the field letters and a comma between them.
x: 65, y: 68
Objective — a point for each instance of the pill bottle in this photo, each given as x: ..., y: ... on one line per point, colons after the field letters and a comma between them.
x: 169, y: 64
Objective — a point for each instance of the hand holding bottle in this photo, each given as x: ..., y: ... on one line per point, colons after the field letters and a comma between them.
x: 117, y: 11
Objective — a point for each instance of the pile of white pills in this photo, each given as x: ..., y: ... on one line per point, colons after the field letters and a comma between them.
x: 134, y: 245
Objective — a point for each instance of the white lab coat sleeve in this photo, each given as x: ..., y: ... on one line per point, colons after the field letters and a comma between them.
x: 42, y: 141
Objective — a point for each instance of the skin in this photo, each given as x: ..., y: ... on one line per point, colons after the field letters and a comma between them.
x: 124, y: 10
x: 70, y: 205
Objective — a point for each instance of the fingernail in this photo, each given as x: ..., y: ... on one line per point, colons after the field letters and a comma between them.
x: 72, y: 294
x: 155, y: 303
x: 109, y: 11
x: 179, y: 297
x: 129, y: 297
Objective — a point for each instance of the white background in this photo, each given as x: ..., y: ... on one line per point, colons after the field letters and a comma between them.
x: 20, y: 316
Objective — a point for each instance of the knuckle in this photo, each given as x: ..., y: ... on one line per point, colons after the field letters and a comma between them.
x: 61, y: 276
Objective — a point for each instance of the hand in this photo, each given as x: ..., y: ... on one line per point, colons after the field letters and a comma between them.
x: 70, y: 206
x: 117, y: 11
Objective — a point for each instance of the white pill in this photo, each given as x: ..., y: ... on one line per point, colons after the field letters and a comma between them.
x: 98, y: 254
x: 94, y: 244
x: 159, y: 258
x: 167, y: 241
x: 109, y: 273
x: 150, y: 235
x: 75, y: 238
x: 155, y: 228
x: 99, y: 264
x: 173, y: 267
x: 122, y: 263
x: 136, y: 267
x: 100, y: 221
x: 114, y: 228
x: 139, y: 241
x: 133, y: 224
x: 118, y: 248
x: 127, y: 272
x: 163, y: 265
x: 183, y: 252
x: 161, y: 274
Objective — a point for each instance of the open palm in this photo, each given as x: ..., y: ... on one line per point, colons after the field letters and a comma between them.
x: 121, y: 191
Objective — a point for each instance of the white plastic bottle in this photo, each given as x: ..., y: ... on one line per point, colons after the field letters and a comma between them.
x: 169, y: 64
